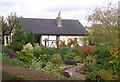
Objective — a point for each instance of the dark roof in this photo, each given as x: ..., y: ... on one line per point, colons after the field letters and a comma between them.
x: 49, y: 27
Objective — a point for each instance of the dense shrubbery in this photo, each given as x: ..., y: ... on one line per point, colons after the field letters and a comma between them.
x: 15, y: 62
x: 101, y: 75
x: 74, y: 52
x: 102, y: 61
x: 63, y: 51
x: 56, y: 59
x: 87, y: 50
x: 48, y: 51
x: 26, y: 56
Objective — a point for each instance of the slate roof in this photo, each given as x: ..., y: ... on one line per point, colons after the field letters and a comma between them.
x: 49, y: 27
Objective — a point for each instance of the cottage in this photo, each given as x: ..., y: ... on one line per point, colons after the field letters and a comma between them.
x: 50, y: 31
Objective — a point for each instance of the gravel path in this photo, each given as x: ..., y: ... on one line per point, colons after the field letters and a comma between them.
x: 74, y: 74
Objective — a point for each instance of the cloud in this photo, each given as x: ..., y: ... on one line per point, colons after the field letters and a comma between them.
x: 64, y: 8
x: 71, y: 9
x: 7, y: 4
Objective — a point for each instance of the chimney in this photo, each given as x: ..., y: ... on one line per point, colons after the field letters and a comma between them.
x: 58, y: 20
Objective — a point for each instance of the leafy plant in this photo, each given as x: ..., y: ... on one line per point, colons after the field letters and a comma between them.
x: 102, y: 56
x: 74, y: 52
x: 56, y: 59
x: 26, y: 56
x: 63, y: 51
x: 14, y: 62
x: 77, y: 58
x: 49, y: 51
x: 101, y: 75
x: 87, y: 50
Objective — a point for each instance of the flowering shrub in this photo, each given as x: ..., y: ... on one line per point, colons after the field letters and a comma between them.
x: 115, y: 60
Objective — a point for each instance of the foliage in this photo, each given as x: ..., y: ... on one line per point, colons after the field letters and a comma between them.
x: 25, y: 56
x: 88, y: 50
x: 37, y: 51
x: 48, y: 51
x: 77, y: 58
x: 103, y: 31
x: 56, y: 59
x: 44, y: 57
x: 115, y: 60
x: 102, y: 56
x: 74, y: 52
x: 6, y: 48
x: 89, y: 60
x: 14, y: 62
x: 49, y: 67
x: 30, y: 38
x: 63, y: 51
x: 16, y: 46
x: 21, y: 37
x: 101, y: 75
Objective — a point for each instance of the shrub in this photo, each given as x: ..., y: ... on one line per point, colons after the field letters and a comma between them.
x: 14, y: 62
x: 102, y: 56
x: 74, y: 52
x: 49, y: 51
x: 63, y: 51
x: 89, y: 60
x: 25, y: 55
x: 17, y: 46
x: 44, y: 57
x: 101, y: 75
x: 37, y: 51
x: 6, y: 48
x: 8, y: 51
x: 88, y: 50
x: 77, y: 58
x: 56, y: 59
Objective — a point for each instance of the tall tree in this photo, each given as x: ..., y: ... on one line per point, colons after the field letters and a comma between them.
x: 103, y: 30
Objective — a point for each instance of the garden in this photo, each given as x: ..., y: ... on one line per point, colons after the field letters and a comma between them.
x: 98, y: 59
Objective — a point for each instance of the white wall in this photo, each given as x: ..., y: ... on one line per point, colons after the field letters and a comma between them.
x: 65, y: 38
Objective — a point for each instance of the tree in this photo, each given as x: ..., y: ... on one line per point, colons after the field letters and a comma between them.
x: 20, y: 36
x: 103, y: 30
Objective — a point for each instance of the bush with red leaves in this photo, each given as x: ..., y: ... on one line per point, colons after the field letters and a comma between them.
x: 88, y: 50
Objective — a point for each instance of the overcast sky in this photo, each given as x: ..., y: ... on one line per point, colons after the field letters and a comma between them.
x: 70, y: 9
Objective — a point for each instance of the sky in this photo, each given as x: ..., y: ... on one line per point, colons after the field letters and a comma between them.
x: 70, y: 9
